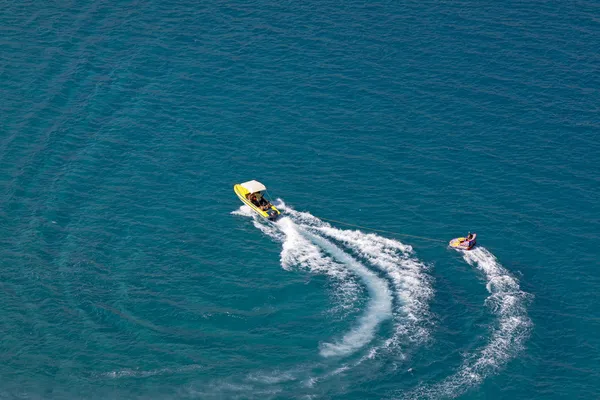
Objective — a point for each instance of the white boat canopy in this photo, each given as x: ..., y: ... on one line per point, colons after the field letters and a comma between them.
x: 253, y: 186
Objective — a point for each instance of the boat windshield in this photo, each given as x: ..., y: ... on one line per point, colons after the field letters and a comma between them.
x: 267, y: 196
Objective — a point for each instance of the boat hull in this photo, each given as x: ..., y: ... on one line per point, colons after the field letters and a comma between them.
x: 271, y: 213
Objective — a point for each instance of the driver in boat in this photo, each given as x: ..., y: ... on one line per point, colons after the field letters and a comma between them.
x: 469, y: 237
x: 259, y: 201
x: 253, y: 199
x: 263, y: 203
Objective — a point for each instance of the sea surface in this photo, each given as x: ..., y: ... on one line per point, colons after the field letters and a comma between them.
x: 383, y: 129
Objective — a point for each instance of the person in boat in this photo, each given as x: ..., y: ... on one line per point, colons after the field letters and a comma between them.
x: 469, y: 237
x: 264, y: 204
x: 253, y: 199
x: 259, y: 201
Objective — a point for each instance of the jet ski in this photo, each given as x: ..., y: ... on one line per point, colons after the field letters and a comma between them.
x: 252, y: 194
x: 464, y: 243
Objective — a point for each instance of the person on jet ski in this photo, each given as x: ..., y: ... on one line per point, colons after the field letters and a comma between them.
x: 469, y: 237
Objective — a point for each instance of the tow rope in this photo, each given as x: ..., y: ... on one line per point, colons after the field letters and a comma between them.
x: 382, y: 230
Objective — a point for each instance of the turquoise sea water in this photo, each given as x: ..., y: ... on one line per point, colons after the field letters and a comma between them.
x: 128, y: 269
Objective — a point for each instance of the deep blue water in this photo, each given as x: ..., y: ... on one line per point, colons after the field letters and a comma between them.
x: 128, y: 269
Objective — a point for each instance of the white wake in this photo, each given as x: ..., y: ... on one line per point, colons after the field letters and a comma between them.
x: 304, y: 249
x: 308, y: 242
x: 508, y: 303
x: 378, y: 310
x: 297, y: 251
x: 412, y: 284
x: 348, y: 255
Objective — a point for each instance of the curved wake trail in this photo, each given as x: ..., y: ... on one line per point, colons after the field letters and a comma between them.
x: 314, y: 244
x: 412, y: 285
x: 379, y: 309
x: 508, y: 302
x: 300, y: 252
x: 305, y: 237
x: 319, y: 255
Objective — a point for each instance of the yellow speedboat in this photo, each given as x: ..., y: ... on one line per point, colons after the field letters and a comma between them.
x: 252, y: 194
